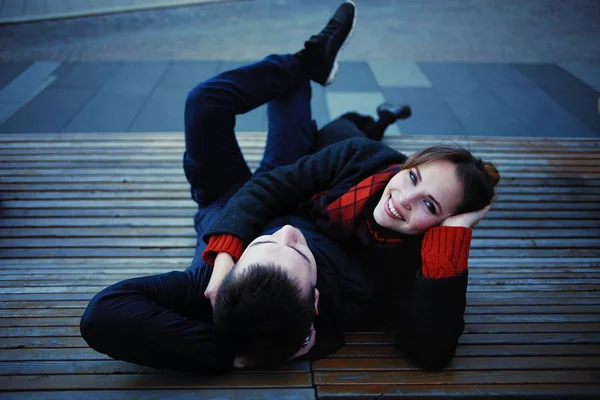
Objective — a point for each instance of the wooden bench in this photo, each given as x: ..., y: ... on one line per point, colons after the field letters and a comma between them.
x: 80, y: 212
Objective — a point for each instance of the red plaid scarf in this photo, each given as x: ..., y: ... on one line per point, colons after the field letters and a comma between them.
x: 346, y: 210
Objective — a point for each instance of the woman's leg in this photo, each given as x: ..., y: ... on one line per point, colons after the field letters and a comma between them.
x: 353, y: 124
x: 213, y: 161
x: 335, y: 131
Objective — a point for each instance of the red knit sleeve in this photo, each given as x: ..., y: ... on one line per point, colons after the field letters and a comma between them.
x: 222, y: 243
x: 445, y: 251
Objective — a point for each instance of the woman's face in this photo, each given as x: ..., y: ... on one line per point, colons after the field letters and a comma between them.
x: 419, y: 198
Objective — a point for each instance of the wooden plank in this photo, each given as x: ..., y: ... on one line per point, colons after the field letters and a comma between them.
x: 47, y: 361
x: 496, y: 338
x: 553, y: 288
x: 190, y: 242
x: 118, y: 270
x: 457, y: 377
x: 164, y: 159
x: 154, y: 381
x: 474, y: 262
x: 184, y: 195
x: 182, y: 189
x: 479, y: 350
x: 172, y: 153
x: 180, y: 394
x: 550, y: 182
x: 507, y: 173
x: 183, y: 216
x: 452, y: 390
x: 188, y: 232
x: 44, y: 342
x: 460, y: 364
x: 499, y: 296
x: 46, y: 277
x: 109, y: 251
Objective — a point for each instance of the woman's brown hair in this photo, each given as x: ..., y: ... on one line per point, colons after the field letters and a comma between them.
x: 477, y: 176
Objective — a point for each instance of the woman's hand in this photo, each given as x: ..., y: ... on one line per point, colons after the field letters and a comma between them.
x: 467, y: 220
x: 223, y: 264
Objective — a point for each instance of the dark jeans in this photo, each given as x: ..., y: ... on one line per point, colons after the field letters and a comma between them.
x: 213, y: 162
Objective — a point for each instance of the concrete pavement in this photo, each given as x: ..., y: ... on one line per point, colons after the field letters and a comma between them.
x: 464, y: 99
x: 498, y: 68
x: 20, y: 11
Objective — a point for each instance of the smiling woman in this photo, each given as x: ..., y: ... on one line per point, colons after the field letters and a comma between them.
x: 434, y: 184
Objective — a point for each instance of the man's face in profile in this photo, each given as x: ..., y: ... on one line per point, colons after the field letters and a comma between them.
x: 286, y: 248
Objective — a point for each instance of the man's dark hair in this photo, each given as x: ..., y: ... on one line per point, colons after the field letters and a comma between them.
x: 263, y: 314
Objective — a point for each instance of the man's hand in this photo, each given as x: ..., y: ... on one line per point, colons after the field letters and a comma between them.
x: 223, y: 264
x: 467, y: 220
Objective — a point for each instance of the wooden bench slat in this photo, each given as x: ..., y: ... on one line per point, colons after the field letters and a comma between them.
x: 182, y: 189
x: 452, y: 390
x: 50, y: 365
x: 180, y: 180
x: 110, y: 251
x: 175, y: 172
x: 190, y: 242
x: 179, y: 394
x: 155, y: 381
x: 188, y: 232
x: 458, y: 377
x: 181, y: 199
x: 479, y: 350
x: 460, y: 364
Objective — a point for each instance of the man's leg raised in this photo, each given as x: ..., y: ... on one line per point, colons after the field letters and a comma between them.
x: 291, y: 128
x: 213, y: 161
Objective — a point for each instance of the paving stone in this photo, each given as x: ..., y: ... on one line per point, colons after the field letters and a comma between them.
x: 229, y: 65
x: 584, y: 107
x: 86, y: 75
x: 107, y: 112
x: 318, y: 105
x: 587, y: 72
x: 540, y: 113
x: 44, y: 114
x: 430, y: 113
x: 162, y: 112
x: 554, y: 79
x: 253, y: 121
x: 12, y: 9
x: 35, y: 7
x: 496, y: 74
x: 187, y: 74
x: 484, y: 114
x: 364, y: 103
x: 58, y: 6
x: 136, y: 78
x: 11, y: 70
x: 452, y: 77
x: 398, y: 74
x: 354, y: 76
x: 28, y: 82
x: 7, y: 109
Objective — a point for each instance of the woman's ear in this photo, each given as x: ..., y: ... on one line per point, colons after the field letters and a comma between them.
x: 316, y: 301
